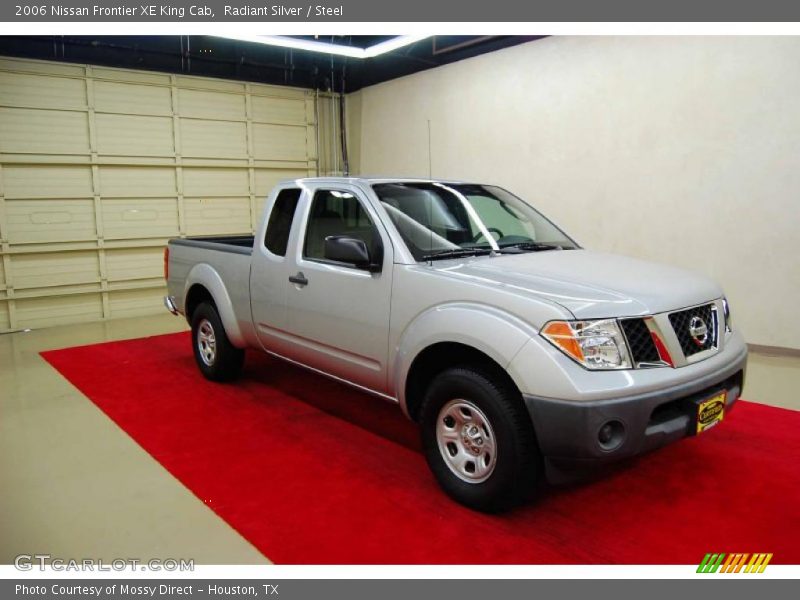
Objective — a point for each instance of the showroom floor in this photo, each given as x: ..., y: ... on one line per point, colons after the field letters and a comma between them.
x: 75, y: 485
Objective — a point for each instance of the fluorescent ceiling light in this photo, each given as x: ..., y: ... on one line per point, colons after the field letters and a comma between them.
x: 392, y: 44
x: 328, y: 48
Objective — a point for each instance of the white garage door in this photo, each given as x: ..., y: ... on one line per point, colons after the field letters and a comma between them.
x: 99, y: 167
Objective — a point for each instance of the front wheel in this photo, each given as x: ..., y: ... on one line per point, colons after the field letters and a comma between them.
x: 478, y: 439
x: 217, y: 358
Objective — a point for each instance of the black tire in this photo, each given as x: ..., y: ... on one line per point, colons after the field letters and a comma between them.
x: 517, y: 462
x: 225, y: 362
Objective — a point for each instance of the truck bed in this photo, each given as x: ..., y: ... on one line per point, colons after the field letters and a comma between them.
x: 225, y: 259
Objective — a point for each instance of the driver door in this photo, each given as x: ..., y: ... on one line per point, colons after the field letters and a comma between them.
x: 337, y: 315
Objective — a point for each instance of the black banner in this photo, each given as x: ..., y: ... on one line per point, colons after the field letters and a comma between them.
x: 463, y: 589
x: 211, y: 11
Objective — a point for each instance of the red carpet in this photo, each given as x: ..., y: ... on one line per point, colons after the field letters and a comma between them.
x: 312, y: 472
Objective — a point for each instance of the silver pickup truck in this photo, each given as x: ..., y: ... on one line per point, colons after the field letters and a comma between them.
x: 517, y: 351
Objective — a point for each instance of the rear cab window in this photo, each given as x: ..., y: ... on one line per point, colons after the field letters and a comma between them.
x: 280, y: 221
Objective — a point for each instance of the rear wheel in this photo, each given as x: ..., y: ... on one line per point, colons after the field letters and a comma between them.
x: 216, y: 357
x: 478, y: 439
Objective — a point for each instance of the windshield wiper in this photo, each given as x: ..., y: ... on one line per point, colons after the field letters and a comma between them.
x: 457, y: 252
x: 535, y: 246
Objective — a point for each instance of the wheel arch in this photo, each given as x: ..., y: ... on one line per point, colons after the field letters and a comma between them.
x: 452, y: 335
x: 204, y: 283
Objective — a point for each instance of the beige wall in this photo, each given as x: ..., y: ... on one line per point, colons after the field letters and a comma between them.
x: 679, y: 150
x: 99, y: 167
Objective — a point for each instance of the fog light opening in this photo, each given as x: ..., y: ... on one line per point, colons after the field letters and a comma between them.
x: 611, y: 435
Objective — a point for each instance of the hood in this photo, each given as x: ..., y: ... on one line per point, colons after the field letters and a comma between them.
x: 590, y: 284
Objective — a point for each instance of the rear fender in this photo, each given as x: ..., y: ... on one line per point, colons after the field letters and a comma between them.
x: 205, y: 275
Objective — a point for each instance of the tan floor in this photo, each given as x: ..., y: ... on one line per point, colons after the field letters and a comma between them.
x: 73, y: 485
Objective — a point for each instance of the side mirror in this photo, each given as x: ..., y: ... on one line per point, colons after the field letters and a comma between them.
x: 341, y: 248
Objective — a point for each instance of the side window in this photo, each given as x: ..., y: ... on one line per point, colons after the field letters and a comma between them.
x: 280, y: 221
x: 336, y: 212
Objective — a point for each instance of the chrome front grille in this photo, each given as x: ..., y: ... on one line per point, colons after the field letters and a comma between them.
x: 673, y: 339
x: 640, y: 342
x: 697, y: 329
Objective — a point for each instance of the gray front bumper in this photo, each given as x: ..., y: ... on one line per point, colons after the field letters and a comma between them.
x: 567, y: 431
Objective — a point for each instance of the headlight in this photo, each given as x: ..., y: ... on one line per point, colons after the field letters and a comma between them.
x: 726, y: 309
x: 594, y: 344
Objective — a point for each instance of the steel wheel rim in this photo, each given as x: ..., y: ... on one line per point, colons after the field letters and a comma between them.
x: 466, y: 441
x: 206, y: 342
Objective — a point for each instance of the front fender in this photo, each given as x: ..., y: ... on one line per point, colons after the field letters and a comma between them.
x: 205, y: 275
x: 494, y: 332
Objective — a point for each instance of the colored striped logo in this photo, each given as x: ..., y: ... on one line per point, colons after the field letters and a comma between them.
x: 734, y: 563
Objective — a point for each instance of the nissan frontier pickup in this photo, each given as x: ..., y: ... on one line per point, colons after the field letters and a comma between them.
x: 517, y: 351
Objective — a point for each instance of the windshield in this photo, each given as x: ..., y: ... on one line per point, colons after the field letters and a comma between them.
x: 448, y: 220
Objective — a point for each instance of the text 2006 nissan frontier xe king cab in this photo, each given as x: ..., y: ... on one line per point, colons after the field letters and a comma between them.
x: 516, y: 350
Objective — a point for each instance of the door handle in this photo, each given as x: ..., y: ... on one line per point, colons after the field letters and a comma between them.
x: 299, y: 279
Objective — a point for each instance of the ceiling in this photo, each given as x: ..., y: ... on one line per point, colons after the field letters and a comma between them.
x: 211, y: 56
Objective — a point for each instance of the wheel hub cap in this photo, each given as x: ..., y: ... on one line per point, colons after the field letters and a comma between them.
x: 206, y: 342
x: 466, y: 441
x: 471, y: 438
